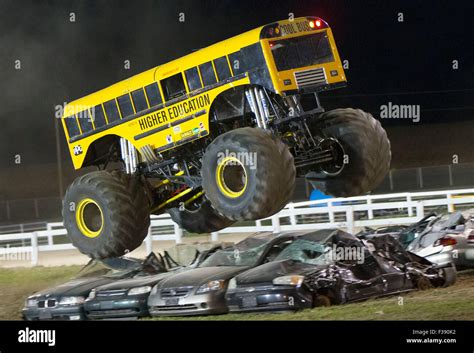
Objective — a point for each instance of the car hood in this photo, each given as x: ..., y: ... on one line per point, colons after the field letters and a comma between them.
x: 198, y: 276
x: 267, y: 272
x: 134, y: 282
x: 75, y: 287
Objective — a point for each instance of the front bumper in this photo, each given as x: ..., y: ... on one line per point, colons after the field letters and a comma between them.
x: 126, y: 307
x: 192, y: 304
x: 66, y: 313
x: 268, y: 298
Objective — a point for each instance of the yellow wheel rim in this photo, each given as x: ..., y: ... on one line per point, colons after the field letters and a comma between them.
x: 231, y: 177
x: 89, y: 218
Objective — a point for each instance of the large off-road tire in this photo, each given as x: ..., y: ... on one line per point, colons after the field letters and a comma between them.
x: 204, y: 219
x: 106, y: 213
x: 248, y: 174
x: 365, y: 153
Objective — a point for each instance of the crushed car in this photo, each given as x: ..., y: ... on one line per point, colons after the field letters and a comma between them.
x: 65, y: 302
x: 443, y: 239
x: 127, y: 298
x: 447, y: 239
x: 329, y: 267
x: 201, y: 291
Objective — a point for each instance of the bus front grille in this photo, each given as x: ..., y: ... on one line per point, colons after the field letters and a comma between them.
x: 310, y: 77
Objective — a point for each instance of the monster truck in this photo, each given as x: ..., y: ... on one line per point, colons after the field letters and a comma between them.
x: 215, y: 137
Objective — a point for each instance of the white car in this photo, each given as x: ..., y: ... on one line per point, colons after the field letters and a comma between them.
x: 447, y: 239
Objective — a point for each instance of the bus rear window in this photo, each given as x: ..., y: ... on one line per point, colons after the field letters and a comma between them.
x: 301, y: 51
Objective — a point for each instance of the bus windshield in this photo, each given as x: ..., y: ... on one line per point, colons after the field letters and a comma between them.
x: 302, y: 51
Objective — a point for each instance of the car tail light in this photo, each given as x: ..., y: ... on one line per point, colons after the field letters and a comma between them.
x: 446, y: 241
x: 470, y: 238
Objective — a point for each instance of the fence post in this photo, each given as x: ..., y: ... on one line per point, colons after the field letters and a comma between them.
x: 291, y: 208
x: 215, y: 236
x: 34, y: 248
x: 449, y: 197
x: 258, y: 225
x: 178, y: 232
x: 50, y: 237
x: 420, y: 210
x: 410, y: 209
x: 276, y: 224
x: 149, y: 242
x: 370, y: 211
x: 331, y: 212
x: 350, y: 220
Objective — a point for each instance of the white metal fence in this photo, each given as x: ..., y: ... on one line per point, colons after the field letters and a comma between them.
x: 349, y: 213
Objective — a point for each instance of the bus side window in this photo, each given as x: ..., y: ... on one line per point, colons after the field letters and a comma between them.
x: 173, y: 86
x: 98, y: 116
x: 125, y: 105
x: 153, y: 94
x: 71, y: 125
x: 222, y: 68
x: 111, y: 110
x: 207, y: 74
x: 84, y: 120
x: 237, y: 63
x: 139, y: 100
x: 192, y: 76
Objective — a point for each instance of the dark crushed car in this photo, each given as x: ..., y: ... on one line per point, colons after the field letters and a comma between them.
x: 202, y: 290
x: 333, y: 267
x: 127, y: 298
x: 65, y: 302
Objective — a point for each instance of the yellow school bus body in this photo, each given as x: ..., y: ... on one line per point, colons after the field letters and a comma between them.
x: 176, y: 123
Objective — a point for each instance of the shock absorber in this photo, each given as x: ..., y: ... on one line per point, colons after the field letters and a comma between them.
x: 129, y: 156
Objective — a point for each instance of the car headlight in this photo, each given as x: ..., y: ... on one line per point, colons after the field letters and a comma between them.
x: 71, y: 300
x: 232, y: 284
x: 294, y: 280
x: 139, y: 290
x: 30, y: 302
x: 211, y: 286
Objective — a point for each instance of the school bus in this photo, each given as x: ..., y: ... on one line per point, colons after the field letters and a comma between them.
x: 217, y: 136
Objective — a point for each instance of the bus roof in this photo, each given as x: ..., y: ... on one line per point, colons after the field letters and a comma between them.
x: 170, y: 68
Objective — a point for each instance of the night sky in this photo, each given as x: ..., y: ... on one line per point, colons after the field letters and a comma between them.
x: 409, y: 62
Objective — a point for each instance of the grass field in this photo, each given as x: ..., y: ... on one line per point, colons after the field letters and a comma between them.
x: 452, y: 303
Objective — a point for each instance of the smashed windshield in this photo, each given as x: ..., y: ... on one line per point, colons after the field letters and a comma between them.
x: 245, y: 253
x: 305, y: 251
